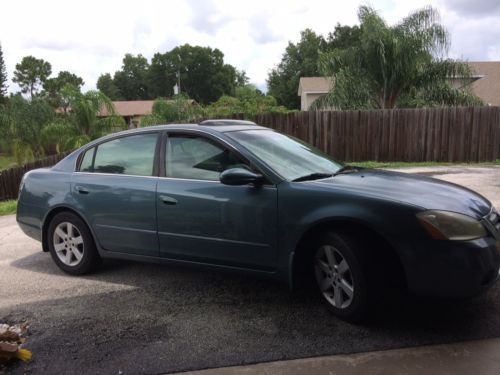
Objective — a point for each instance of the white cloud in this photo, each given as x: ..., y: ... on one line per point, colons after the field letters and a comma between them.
x: 90, y: 38
x: 474, y: 8
x: 474, y: 28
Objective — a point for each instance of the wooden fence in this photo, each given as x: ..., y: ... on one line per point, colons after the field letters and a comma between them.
x: 455, y: 134
x: 11, y: 178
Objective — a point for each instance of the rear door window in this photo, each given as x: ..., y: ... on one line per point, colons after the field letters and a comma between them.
x: 131, y: 155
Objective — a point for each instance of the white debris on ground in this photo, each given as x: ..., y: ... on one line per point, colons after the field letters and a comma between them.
x: 11, y: 340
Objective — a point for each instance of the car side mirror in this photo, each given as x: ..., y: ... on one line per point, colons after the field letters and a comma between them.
x: 240, y: 176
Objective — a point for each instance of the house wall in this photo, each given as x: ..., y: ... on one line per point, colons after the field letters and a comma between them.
x: 132, y: 121
x: 135, y: 121
x: 307, y: 99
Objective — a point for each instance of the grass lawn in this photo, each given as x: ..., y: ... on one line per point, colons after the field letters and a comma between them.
x: 7, y: 162
x: 403, y: 164
x: 8, y: 207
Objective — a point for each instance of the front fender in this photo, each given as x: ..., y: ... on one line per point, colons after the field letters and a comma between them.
x: 303, y: 208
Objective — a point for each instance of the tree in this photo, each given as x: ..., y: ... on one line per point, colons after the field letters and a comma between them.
x: 5, y: 128
x: 54, y: 86
x: 202, y: 73
x: 162, y: 76
x: 299, y: 60
x: 131, y: 80
x: 343, y: 37
x: 83, y: 123
x: 395, y: 66
x: 179, y: 108
x: 26, y: 119
x: 247, y: 100
x: 31, y: 73
x: 59, y: 136
x: 107, y: 86
x: 3, y: 78
x: 242, y: 78
x: 84, y: 112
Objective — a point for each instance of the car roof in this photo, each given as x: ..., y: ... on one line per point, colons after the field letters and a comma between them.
x: 208, y: 126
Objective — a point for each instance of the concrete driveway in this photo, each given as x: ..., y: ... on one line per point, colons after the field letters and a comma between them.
x: 144, y: 319
x: 484, y: 180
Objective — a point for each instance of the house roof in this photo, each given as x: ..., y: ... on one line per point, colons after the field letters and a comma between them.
x: 487, y: 86
x: 130, y: 108
x: 316, y: 85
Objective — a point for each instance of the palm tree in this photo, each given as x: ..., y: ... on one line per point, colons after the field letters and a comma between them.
x: 85, y: 109
x: 82, y: 124
x: 21, y: 124
x: 396, y: 66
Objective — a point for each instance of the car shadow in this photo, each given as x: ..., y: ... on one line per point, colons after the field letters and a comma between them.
x: 152, y: 278
x: 164, y: 281
x: 184, y: 319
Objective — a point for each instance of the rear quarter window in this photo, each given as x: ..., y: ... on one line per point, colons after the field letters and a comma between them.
x: 86, y: 164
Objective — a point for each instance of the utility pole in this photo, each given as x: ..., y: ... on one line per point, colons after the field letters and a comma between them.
x: 179, y: 75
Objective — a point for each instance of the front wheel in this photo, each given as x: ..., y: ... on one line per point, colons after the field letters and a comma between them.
x: 71, y: 245
x: 339, y: 264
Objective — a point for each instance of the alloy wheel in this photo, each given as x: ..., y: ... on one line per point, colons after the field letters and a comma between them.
x: 68, y: 244
x: 334, y: 276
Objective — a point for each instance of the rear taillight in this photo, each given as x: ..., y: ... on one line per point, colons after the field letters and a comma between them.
x: 21, y: 185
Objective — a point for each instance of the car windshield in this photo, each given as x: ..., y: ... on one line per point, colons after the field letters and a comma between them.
x: 289, y: 157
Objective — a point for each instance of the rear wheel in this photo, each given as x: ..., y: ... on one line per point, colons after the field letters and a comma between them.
x: 71, y: 245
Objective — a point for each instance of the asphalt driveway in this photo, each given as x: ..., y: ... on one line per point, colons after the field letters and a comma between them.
x: 146, y: 319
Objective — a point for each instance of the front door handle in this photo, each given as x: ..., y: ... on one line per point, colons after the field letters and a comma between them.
x: 81, y: 190
x: 168, y: 200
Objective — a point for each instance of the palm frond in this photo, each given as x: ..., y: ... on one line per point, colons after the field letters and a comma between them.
x: 77, y: 141
x: 55, y: 136
x: 395, y: 61
x: 150, y: 120
x: 106, y: 125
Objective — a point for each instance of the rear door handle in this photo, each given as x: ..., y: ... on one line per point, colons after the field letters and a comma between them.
x: 81, y: 190
x: 168, y: 200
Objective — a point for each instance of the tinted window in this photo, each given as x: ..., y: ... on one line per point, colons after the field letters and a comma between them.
x: 86, y: 165
x: 198, y: 158
x: 133, y: 155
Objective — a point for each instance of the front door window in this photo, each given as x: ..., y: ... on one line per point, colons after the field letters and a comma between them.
x: 198, y: 159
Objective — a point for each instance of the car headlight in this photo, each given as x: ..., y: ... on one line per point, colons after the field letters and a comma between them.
x: 445, y: 225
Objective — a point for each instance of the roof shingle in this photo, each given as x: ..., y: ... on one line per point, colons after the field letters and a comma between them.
x: 130, y: 108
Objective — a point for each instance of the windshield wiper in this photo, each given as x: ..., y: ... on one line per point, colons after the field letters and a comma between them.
x: 318, y: 175
x: 345, y: 169
x: 313, y: 176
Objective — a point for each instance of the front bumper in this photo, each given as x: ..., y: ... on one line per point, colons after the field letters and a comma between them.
x: 455, y: 269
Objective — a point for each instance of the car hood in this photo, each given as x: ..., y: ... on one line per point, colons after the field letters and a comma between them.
x: 422, y: 191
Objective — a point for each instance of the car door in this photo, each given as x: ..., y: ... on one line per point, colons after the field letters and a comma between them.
x: 115, y: 189
x: 202, y: 220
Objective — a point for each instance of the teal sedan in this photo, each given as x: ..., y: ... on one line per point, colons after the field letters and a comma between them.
x: 233, y: 195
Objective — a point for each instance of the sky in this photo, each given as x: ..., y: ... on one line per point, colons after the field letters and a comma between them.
x: 90, y: 37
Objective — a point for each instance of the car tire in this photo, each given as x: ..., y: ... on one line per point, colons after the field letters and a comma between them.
x: 342, y: 273
x: 71, y: 244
